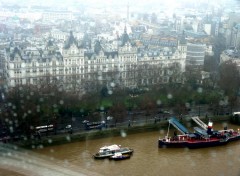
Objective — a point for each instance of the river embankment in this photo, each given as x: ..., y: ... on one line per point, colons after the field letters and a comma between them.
x: 77, y: 136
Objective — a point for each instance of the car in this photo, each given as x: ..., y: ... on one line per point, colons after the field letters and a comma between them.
x: 109, y: 118
x: 85, y: 121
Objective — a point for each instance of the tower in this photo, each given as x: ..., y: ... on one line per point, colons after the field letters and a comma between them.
x: 128, y: 11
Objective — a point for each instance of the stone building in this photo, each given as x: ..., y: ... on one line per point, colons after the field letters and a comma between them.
x: 85, y: 65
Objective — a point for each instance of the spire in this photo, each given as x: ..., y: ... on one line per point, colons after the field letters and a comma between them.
x: 125, y: 29
x: 128, y: 11
x: 183, y: 38
x: 71, y: 40
x: 124, y: 37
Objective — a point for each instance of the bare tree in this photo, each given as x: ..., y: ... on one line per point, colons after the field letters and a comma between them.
x: 229, y: 78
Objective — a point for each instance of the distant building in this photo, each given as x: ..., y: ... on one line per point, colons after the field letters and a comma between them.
x: 195, y: 54
x: 235, y: 37
x: 230, y: 54
x: 57, y: 15
x: 83, y: 65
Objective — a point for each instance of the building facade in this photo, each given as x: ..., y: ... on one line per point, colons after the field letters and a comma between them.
x: 84, y: 67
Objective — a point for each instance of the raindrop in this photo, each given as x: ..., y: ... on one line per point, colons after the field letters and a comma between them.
x: 68, y: 138
x: 99, y: 77
x: 221, y: 102
x: 199, y: 90
x: 73, y: 119
x: 123, y: 133
x: 112, y: 84
x: 193, y: 164
x: 11, y: 129
x: 66, y: 162
x: 224, y: 124
x: 169, y: 96
x: 230, y: 163
x: 110, y: 92
x: 61, y: 102
x: 162, y: 131
x: 187, y: 105
x: 159, y: 102
x: 213, y: 154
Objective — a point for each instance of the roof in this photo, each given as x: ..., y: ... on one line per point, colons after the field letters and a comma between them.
x: 71, y: 40
x: 178, y: 125
x: 110, y: 147
x: 200, y: 131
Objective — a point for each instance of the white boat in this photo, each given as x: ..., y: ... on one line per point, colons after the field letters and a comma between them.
x: 108, y: 151
x: 119, y: 156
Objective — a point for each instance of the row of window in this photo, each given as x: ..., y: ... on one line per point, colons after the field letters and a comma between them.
x: 127, y: 82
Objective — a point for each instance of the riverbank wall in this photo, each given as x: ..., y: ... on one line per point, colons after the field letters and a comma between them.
x: 111, y: 132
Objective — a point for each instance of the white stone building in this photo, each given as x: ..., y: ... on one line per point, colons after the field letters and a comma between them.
x: 84, y: 65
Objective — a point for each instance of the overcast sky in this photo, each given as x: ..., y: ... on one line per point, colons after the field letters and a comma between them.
x: 132, y: 3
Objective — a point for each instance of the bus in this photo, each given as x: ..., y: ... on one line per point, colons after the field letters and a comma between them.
x: 94, y: 125
x: 44, y: 128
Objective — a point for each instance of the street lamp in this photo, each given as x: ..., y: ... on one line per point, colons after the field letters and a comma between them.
x: 199, y: 110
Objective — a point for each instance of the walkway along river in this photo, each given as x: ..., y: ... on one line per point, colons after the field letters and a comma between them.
x: 150, y: 160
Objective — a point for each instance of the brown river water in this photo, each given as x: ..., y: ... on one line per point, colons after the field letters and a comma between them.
x: 147, y: 158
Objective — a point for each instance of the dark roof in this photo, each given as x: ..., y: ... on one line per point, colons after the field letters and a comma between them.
x: 88, y: 54
x: 15, y: 52
x: 49, y: 43
x: 97, y: 47
x: 70, y: 41
x: 183, y: 40
x: 111, y: 53
x: 124, y: 37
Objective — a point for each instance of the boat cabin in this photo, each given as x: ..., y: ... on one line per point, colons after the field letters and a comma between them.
x: 109, y: 148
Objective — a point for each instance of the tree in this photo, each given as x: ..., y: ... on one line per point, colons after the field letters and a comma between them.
x: 118, y: 111
x: 229, y: 78
x: 210, y: 63
x: 193, y: 76
x: 229, y: 81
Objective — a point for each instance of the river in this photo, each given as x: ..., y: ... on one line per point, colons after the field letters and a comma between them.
x: 147, y: 158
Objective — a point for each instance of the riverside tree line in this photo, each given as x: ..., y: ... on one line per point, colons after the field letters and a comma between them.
x: 27, y: 106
